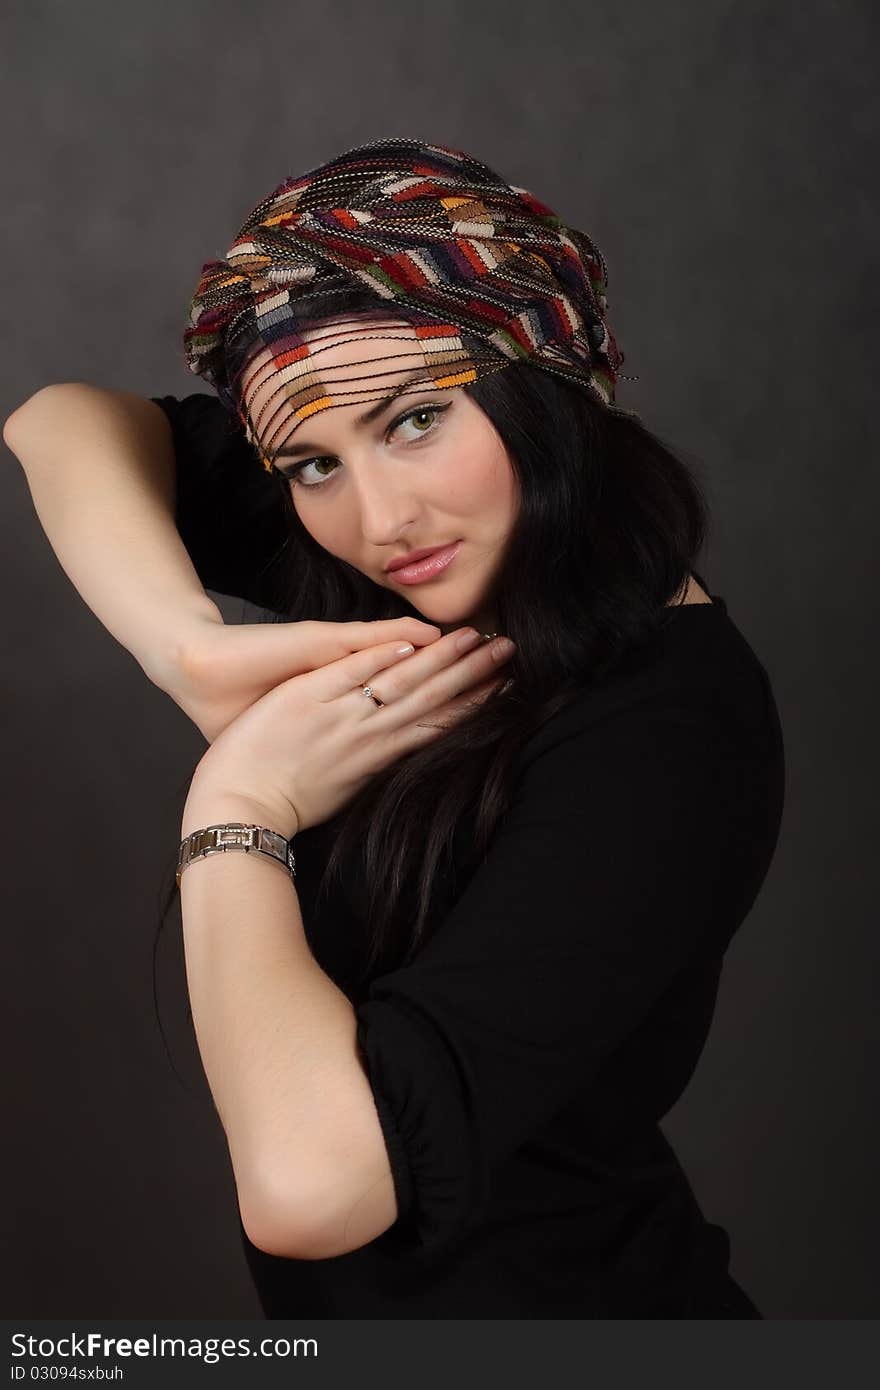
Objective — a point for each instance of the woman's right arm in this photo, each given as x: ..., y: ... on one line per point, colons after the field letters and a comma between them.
x: 101, y: 470
x: 148, y: 503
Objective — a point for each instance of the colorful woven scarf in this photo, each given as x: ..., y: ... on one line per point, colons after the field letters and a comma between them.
x: 486, y: 273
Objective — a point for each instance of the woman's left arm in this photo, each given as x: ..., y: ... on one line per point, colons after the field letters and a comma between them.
x: 276, y: 1035
x: 277, y: 1041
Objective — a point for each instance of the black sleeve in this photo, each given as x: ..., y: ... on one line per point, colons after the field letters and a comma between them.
x: 630, y: 848
x: 229, y: 512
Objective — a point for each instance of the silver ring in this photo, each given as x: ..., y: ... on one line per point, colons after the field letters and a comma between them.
x: 368, y: 691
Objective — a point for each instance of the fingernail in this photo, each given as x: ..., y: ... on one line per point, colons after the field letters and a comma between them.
x: 501, y: 648
x: 404, y: 650
x: 467, y: 639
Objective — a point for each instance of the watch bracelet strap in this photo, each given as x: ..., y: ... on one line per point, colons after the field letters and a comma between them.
x: 235, y: 835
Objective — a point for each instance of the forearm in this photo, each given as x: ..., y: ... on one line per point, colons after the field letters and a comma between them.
x: 277, y: 1042
x: 101, y: 470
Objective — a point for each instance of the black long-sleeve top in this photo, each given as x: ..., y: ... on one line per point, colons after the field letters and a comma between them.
x: 521, y: 1064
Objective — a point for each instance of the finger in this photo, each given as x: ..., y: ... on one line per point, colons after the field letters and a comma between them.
x: 432, y: 679
x: 478, y: 693
x: 326, y: 642
x: 268, y: 653
x: 464, y: 703
x: 368, y: 634
x: 425, y: 663
x: 429, y: 727
x: 408, y: 676
x: 357, y: 669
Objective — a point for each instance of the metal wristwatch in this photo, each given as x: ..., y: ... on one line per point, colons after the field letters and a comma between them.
x: 217, y: 839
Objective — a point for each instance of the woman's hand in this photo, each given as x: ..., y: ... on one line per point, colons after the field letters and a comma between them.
x: 222, y: 670
x: 298, y: 755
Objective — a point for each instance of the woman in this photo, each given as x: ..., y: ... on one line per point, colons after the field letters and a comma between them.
x: 473, y: 962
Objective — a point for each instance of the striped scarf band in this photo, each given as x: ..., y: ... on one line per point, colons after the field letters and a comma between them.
x: 483, y: 271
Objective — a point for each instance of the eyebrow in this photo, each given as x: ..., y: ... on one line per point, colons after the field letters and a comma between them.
x: 367, y: 418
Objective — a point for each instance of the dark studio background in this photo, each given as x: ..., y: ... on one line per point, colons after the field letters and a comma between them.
x: 720, y: 156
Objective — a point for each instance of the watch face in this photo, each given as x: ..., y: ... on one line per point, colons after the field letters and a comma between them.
x: 234, y: 835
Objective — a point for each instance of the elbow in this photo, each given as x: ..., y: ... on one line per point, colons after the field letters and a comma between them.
x: 285, y: 1223
x: 12, y: 424
x: 29, y: 408
x: 318, y: 1221
x: 287, y: 1243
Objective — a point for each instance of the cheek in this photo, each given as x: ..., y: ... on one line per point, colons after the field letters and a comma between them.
x: 327, y: 526
x: 486, y: 486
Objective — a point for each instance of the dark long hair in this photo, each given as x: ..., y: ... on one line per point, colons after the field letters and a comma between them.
x: 610, y: 523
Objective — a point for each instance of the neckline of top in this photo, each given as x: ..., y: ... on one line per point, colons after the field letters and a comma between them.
x: 717, y: 603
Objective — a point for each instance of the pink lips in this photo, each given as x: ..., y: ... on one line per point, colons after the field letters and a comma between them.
x: 427, y: 567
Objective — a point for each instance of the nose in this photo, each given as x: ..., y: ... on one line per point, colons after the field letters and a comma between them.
x: 386, y: 503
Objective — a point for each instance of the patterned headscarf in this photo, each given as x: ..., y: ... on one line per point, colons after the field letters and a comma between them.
x: 485, y: 272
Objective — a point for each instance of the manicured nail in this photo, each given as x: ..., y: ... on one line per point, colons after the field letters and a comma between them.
x: 466, y: 640
x: 501, y: 647
x: 404, y: 650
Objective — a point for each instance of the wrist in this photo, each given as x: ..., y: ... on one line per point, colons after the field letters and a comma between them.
x: 255, y: 840
x: 207, y: 805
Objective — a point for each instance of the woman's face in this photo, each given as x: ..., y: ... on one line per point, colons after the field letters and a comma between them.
x: 428, y: 471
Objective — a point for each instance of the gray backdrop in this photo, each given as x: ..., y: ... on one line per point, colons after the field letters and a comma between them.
x: 720, y: 155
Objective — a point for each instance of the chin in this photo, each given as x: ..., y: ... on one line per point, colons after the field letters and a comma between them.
x: 445, y: 610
